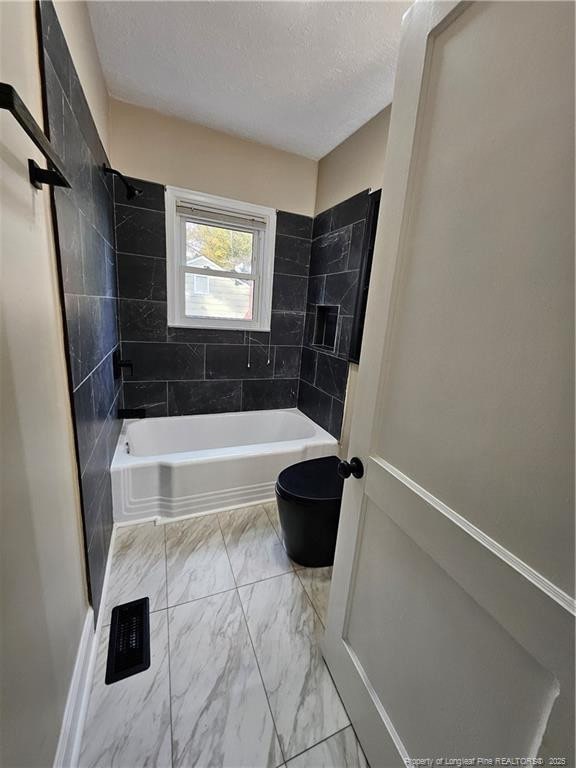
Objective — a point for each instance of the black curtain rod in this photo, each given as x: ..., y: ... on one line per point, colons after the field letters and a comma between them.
x: 55, y: 175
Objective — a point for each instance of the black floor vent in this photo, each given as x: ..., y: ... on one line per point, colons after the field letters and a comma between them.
x: 129, y: 643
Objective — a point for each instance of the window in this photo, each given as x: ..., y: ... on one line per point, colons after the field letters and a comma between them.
x: 220, y: 261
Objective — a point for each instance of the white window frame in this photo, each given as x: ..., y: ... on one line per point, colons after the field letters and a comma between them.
x: 176, y: 268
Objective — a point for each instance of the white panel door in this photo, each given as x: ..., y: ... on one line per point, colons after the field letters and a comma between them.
x: 451, y: 620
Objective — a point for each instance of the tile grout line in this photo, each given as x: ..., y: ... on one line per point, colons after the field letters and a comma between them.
x: 251, y: 641
x: 140, y: 207
x: 296, y: 572
x: 143, y: 255
x: 92, y: 295
x: 266, y: 578
x: 337, y: 272
x: 222, y: 591
x: 294, y: 566
x: 338, y: 229
x: 299, y: 754
x: 269, y: 578
x: 203, y: 597
x: 85, y: 379
x: 168, y: 605
x: 168, y: 649
x: 349, y: 247
x: 100, y: 433
x: 295, y: 237
x: 309, y: 596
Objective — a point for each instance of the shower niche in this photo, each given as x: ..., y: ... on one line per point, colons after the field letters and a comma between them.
x: 325, y: 326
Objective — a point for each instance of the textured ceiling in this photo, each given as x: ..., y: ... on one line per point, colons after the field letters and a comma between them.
x: 300, y: 76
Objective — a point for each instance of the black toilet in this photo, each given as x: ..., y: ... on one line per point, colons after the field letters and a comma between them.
x: 309, y: 496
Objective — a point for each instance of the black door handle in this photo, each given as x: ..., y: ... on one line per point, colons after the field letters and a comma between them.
x: 353, y: 467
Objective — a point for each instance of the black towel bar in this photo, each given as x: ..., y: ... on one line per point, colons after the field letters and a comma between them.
x: 55, y: 175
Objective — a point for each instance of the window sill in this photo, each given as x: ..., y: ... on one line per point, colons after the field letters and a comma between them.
x: 213, y: 326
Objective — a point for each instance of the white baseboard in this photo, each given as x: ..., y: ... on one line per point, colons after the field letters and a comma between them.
x: 68, y: 743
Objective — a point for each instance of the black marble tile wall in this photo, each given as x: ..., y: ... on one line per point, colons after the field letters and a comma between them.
x: 182, y: 371
x: 337, y: 250
x: 87, y: 259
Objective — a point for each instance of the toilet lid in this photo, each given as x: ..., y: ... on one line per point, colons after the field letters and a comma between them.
x: 313, y: 480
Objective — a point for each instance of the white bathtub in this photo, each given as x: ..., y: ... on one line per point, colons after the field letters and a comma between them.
x: 184, y: 465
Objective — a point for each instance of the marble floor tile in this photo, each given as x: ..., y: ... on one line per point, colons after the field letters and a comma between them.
x: 220, y: 715
x: 128, y: 722
x: 339, y: 751
x: 316, y: 582
x: 272, y: 511
x: 197, y: 563
x: 271, y: 508
x: 284, y: 629
x: 138, y: 567
x: 254, y: 549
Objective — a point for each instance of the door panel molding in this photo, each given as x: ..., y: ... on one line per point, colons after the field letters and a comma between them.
x: 529, y: 573
x: 536, y: 621
x: 534, y: 618
x: 528, y: 606
x: 386, y: 719
x: 401, y: 256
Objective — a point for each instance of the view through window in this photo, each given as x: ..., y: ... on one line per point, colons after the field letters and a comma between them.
x: 218, y: 249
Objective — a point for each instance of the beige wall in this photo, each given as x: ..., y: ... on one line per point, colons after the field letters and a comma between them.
x: 43, y: 601
x: 168, y: 150
x: 354, y: 165
x: 75, y: 22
